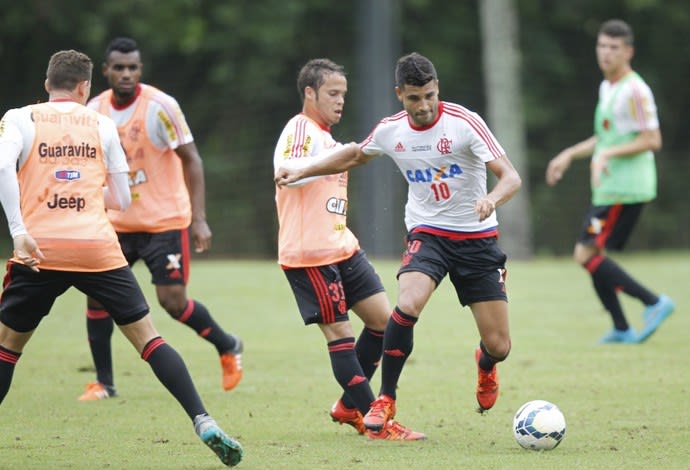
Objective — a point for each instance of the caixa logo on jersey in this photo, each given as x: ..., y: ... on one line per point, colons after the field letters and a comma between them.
x: 428, y: 175
x: 67, y: 175
x: 337, y: 206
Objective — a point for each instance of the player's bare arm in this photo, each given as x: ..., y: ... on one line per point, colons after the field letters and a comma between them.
x: 349, y: 156
x: 560, y: 163
x: 646, y: 140
x: 509, y: 183
x: 649, y: 139
x: 193, y: 169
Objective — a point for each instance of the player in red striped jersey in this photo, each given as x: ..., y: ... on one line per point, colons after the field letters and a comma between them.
x: 443, y: 151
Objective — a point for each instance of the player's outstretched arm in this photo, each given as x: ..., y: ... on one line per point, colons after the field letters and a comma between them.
x: 346, y: 157
x: 560, y: 163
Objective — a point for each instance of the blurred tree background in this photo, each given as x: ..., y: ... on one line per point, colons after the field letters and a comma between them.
x: 232, y: 66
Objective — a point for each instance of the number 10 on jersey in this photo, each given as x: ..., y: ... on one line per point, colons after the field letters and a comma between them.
x: 441, y: 191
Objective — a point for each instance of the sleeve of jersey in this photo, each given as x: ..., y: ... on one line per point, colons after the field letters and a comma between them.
x: 298, y: 146
x: 113, y: 153
x: 482, y: 141
x: 9, y: 198
x: 371, y: 145
x: 10, y: 148
x: 93, y: 103
x: 642, y: 108
x: 169, y: 121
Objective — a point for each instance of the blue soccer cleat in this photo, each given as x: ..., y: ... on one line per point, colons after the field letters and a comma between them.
x: 228, y: 450
x: 654, y: 316
x: 614, y: 336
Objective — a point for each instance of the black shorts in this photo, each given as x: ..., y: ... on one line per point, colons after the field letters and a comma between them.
x: 166, y: 254
x: 476, y: 266
x: 324, y: 294
x: 610, y: 227
x: 28, y: 295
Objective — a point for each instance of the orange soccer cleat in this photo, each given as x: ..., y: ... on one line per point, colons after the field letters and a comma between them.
x: 96, y: 391
x: 487, y: 385
x: 394, y: 431
x: 382, y: 410
x: 231, y: 362
x: 340, y: 414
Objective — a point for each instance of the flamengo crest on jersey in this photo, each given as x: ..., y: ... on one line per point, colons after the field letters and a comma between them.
x: 444, y: 165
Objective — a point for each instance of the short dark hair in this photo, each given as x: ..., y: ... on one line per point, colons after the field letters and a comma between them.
x: 313, y: 74
x: 121, y: 44
x: 414, y: 69
x: 67, y: 68
x: 618, y: 29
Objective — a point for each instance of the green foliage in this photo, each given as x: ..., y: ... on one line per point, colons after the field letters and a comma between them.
x: 232, y: 66
x: 624, y: 405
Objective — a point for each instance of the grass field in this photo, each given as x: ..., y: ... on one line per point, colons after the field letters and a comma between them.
x: 626, y: 406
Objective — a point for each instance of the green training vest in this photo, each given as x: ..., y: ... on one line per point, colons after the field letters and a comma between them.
x: 630, y: 179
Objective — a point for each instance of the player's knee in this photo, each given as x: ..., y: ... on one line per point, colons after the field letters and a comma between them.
x: 410, y: 306
x: 498, y: 350
x: 582, y: 254
x: 337, y: 331
x: 374, y: 311
x: 504, y: 353
x: 377, y: 323
x: 171, y: 305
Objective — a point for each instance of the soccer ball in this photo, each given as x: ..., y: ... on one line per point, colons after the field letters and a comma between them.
x: 539, y: 425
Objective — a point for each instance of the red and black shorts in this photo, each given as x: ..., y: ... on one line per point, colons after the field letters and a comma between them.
x: 166, y: 254
x: 476, y: 266
x: 324, y: 294
x: 610, y: 227
x: 28, y: 295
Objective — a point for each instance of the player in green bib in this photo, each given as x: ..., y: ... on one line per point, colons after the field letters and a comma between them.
x: 623, y: 181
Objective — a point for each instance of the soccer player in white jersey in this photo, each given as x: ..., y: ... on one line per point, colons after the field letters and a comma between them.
x: 443, y: 151
x: 623, y: 177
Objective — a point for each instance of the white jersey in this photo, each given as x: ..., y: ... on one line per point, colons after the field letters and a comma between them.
x: 444, y: 165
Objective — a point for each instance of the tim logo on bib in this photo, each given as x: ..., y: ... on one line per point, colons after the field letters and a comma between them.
x: 67, y: 175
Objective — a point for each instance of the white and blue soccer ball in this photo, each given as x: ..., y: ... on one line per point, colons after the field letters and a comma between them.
x: 539, y: 425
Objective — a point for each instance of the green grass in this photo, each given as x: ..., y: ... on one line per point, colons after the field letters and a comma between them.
x: 625, y: 406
